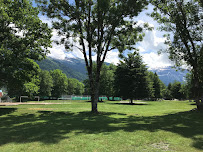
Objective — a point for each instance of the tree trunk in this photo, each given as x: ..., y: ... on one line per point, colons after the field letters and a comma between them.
x: 131, y: 101
x: 95, y: 98
x: 197, y: 90
x: 94, y: 104
x: 95, y: 92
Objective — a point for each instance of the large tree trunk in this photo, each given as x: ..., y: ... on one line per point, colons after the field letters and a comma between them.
x: 95, y: 98
x: 131, y: 101
x: 95, y: 101
x: 95, y: 91
x: 197, y: 90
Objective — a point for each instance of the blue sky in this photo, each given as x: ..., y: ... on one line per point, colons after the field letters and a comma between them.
x: 152, y: 42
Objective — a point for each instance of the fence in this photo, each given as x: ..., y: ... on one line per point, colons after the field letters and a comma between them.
x: 86, y: 97
x: 80, y: 97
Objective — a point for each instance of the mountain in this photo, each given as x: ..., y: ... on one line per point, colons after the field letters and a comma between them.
x: 169, y: 74
x: 72, y: 67
x: 75, y: 68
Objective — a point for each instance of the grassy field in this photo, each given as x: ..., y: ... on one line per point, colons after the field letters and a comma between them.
x: 119, y: 127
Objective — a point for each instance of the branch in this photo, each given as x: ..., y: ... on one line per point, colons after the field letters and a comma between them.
x: 81, y: 37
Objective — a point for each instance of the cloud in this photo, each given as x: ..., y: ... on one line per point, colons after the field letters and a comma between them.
x: 112, y: 57
x: 57, y: 51
x: 149, y: 48
x: 152, y: 42
x: 153, y: 60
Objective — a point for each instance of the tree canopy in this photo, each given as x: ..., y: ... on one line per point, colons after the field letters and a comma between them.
x: 131, y: 78
x: 95, y: 27
x: 24, y: 38
x: 184, y: 19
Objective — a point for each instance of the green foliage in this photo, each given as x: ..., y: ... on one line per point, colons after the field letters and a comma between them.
x: 157, y: 87
x: 59, y: 83
x: 63, y: 85
x: 188, y: 87
x: 98, y: 26
x: 79, y: 90
x: 184, y: 20
x: 150, y: 76
x: 107, y: 77
x: 18, y: 79
x: 107, y: 80
x: 23, y: 38
x: 176, y: 90
x: 31, y: 88
x: 131, y: 78
x: 73, y: 69
x: 74, y: 87
x: 46, y: 83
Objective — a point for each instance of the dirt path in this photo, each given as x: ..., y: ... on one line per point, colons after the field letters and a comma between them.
x: 24, y: 103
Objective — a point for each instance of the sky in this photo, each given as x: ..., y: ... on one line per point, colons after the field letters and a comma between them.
x: 148, y: 48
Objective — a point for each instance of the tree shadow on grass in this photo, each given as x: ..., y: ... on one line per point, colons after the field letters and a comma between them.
x: 4, y: 111
x: 138, y: 104
x: 51, y: 127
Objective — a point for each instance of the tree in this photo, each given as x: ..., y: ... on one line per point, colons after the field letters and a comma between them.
x: 24, y: 38
x: 75, y: 87
x: 21, y: 79
x: 176, y: 90
x: 131, y: 78
x: 31, y: 88
x: 96, y: 27
x: 46, y: 83
x: 150, y: 76
x: 60, y: 83
x: 168, y: 93
x: 106, y: 80
x: 79, y: 90
x: 183, y: 19
x: 157, y: 87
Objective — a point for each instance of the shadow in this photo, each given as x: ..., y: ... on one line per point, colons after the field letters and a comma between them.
x: 193, y: 104
x: 98, y: 101
x: 51, y: 127
x: 4, y: 111
x: 139, y: 104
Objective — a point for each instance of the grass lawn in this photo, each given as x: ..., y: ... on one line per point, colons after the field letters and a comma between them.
x: 119, y: 127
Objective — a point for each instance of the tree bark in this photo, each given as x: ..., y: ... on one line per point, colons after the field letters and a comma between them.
x: 131, y: 101
x: 95, y: 98
x: 197, y: 90
x: 95, y: 91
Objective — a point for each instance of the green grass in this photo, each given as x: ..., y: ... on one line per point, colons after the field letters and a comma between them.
x: 119, y: 127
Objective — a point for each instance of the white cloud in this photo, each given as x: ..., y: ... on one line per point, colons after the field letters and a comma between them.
x: 152, y: 42
x: 149, y: 47
x: 112, y: 57
x: 57, y: 51
x: 153, y: 60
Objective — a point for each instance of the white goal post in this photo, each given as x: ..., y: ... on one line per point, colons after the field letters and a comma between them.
x: 22, y: 97
x: 36, y: 97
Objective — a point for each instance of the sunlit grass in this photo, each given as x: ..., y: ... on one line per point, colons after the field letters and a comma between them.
x: 69, y: 126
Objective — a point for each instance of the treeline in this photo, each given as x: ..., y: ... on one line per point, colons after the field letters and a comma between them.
x: 47, y: 83
x: 130, y: 79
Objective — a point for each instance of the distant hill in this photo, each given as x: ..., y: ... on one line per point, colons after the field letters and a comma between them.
x: 72, y: 67
x: 75, y: 68
x: 168, y: 74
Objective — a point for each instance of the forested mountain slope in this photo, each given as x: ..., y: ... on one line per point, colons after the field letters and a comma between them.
x: 75, y: 68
